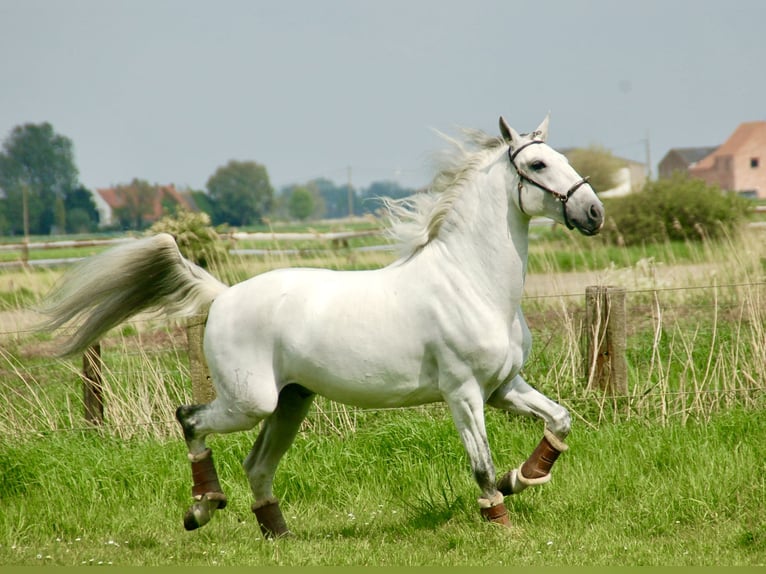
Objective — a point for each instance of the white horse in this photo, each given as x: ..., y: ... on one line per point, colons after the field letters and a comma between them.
x: 442, y: 323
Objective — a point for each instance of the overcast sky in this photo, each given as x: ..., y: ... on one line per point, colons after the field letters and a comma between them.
x: 170, y: 90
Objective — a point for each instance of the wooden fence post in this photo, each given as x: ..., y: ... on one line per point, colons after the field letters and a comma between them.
x: 202, y: 388
x: 92, y: 385
x: 606, y: 367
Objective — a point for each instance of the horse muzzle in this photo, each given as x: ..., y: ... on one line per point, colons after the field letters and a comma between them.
x: 588, y: 219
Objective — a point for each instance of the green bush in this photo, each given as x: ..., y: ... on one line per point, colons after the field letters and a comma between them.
x: 679, y: 208
x: 196, y: 239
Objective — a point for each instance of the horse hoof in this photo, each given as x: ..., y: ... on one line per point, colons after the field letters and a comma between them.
x: 270, y: 520
x: 202, y: 511
x: 497, y: 515
x: 190, y: 521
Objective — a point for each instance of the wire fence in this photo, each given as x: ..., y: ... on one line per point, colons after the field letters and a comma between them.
x: 689, y: 358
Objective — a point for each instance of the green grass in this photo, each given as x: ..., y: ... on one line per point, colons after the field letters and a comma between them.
x: 674, y: 475
x: 397, y: 491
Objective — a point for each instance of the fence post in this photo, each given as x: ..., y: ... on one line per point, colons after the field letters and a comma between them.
x: 92, y: 384
x: 606, y: 367
x: 202, y: 389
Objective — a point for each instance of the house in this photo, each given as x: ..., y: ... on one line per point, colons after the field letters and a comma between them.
x: 630, y: 177
x: 679, y: 160
x: 739, y: 164
x: 163, y: 199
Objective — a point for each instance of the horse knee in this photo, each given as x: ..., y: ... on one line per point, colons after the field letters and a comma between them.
x: 560, y: 423
x: 185, y: 415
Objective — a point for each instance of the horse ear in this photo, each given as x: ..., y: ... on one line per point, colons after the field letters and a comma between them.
x: 509, y: 134
x: 541, y: 133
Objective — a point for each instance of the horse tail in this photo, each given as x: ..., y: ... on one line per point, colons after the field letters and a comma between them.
x: 102, y: 291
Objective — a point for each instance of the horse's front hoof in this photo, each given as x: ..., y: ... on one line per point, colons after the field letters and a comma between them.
x: 190, y: 520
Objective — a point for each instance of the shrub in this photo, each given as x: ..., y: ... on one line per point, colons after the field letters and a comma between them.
x: 196, y: 239
x: 679, y: 208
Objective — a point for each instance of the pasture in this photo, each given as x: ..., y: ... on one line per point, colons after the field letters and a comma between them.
x: 670, y: 474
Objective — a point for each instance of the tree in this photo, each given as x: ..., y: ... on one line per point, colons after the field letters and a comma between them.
x: 241, y: 193
x: 301, y: 203
x: 82, y: 214
x: 371, y: 202
x: 35, y: 157
x: 598, y: 164
x: 335, y: 198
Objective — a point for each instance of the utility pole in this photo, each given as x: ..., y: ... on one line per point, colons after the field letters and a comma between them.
x: 25, y: 215
x: 648, y: 158
x: 350, y: 195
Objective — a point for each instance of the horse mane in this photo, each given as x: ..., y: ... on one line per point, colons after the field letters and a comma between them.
x: 416, y: 220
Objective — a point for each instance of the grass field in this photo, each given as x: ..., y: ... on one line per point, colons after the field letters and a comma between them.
x: 397, y: 491
x: 671, y: 474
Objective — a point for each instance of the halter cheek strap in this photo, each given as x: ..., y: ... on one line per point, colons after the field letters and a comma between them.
x: 562, y: 197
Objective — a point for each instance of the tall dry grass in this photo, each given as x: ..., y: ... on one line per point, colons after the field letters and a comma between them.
x: 696, y: 345
x: 696, y: 336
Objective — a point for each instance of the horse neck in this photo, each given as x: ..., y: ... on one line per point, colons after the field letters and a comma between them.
x: 488, y: 237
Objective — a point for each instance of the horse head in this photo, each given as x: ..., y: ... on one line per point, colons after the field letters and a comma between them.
x: 547, y: 185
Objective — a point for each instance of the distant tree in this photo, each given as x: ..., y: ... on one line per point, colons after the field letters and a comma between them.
x: 335, y: 198
x: 136, y: 204
x: 301, y: 203
x: 36, y: 158
x: 203, y: 202
x: 241, y: 193
x: 598, y: 164
x: 4, y: 227
x: 371, y: 202
x: 82, y: 215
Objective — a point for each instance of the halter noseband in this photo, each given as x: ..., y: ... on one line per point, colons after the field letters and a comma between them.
x: 562, y: 197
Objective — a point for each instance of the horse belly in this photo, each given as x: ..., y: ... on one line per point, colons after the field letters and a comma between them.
x: 362, y: 369
x: 357, y: 344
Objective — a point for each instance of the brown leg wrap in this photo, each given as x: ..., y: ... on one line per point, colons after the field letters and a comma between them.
x: 206, y: 480
x: 496, y: 514
x: 541, y: 460
x: 270, y: 519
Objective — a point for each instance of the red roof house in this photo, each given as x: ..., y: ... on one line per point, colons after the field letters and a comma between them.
x: 739, y: 164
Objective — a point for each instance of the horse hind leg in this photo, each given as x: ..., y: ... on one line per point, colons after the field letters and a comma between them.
x: 197, y: 422
x: 276, y: 436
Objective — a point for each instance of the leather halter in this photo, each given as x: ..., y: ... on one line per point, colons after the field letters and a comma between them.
x: 562, y: 197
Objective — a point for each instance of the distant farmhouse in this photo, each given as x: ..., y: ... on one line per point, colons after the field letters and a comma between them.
x: 739, y: 164
x: 630, y: 177
x: 680, y: 159
x: 166, y: 199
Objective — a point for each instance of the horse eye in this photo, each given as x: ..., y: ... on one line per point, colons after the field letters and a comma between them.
x: 537, y: 165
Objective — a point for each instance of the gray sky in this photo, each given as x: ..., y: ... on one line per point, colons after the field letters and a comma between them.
x: 170, y: 90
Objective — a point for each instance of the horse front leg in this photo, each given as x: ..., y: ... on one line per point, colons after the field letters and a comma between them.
x: 519, y: 397
x: 468, y: 414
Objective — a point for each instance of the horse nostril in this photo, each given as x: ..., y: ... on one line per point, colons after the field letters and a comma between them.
x: 596, y: 212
